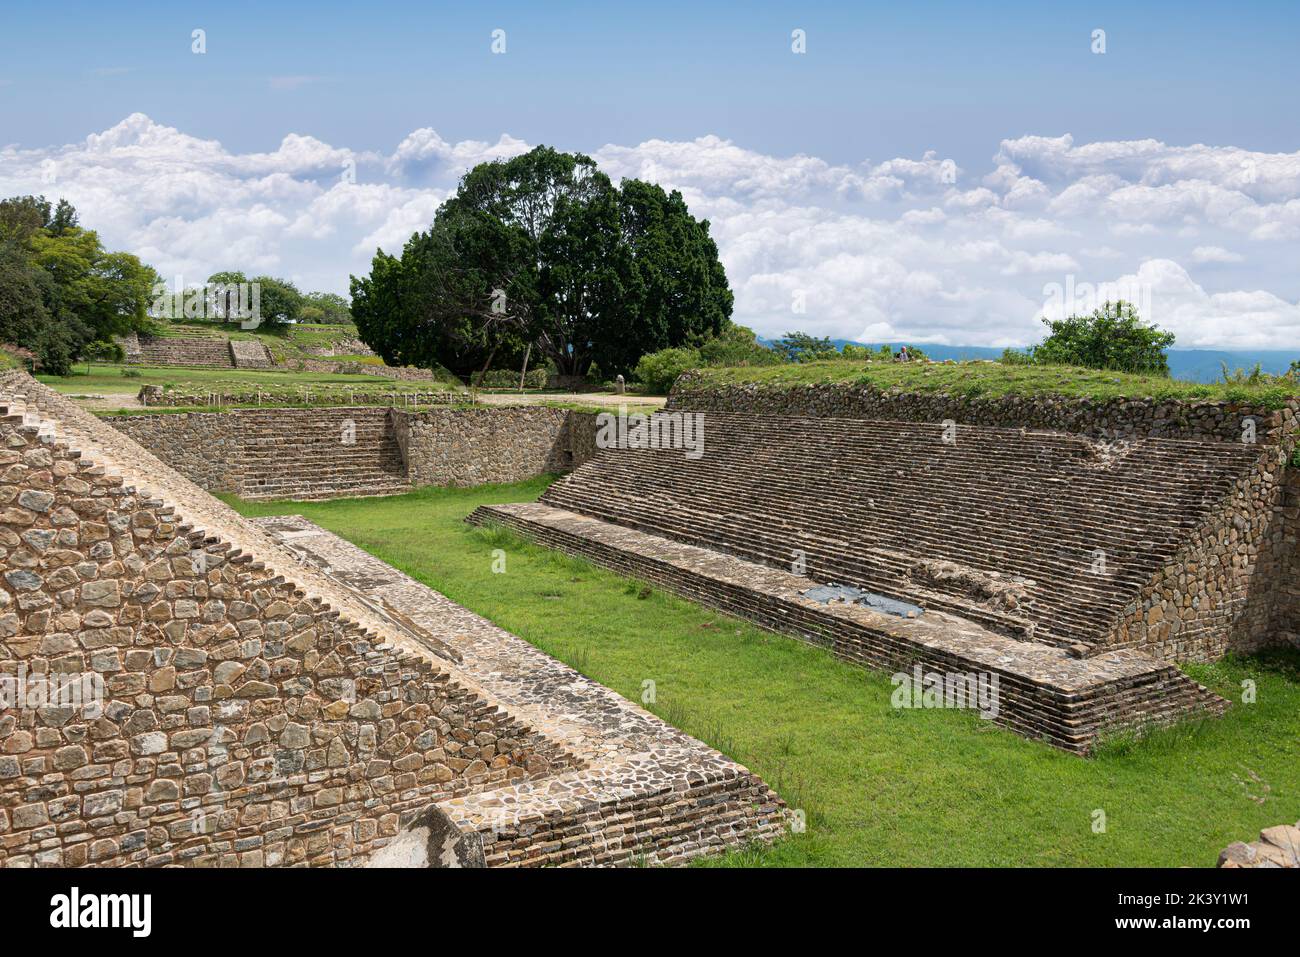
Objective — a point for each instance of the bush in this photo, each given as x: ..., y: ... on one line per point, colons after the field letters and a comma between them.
x: 801, y: 347
x: 131, y: 373
x: 1113, y: 337
x: 658, y: 371
x: 737, y: 346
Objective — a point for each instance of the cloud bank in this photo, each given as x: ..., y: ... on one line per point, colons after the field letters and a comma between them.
x: 913, y: 249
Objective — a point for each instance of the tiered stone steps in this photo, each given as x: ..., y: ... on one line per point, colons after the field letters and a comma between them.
x: 304, y: 454
x: 1043, y: 692
x: 193, y: 351
x: 866, y: 501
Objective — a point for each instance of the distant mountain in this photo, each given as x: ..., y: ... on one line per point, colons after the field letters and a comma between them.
x: 1194, y: 365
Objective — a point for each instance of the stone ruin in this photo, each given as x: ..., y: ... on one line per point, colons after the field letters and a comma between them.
x: 1074, y: 551
x: 266, y: 694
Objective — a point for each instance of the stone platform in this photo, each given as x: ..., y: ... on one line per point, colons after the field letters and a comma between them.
x: 1045, y: 692
x: 644, y: 790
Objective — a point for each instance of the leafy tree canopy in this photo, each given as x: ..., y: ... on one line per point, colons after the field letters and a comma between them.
x: 542, y: 250
x: 60, y: 289
x: 802, y: 347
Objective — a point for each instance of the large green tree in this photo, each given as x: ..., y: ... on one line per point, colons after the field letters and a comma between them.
x: 542, y: 250
x: 60, y: 289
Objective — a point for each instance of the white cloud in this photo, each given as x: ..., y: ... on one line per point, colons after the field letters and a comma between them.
x: 903, y: 248
x: 1215, y: 254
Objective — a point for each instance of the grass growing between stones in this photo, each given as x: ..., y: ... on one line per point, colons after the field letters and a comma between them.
x: 990, y: 380
x: 879, y: 786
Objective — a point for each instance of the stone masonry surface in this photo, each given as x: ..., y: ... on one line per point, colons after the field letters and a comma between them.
x: 1109, y: 419
x: 477, y: 446
x: 255, y: 710
x: 1039, y: 535
x: 1045, y: 693
x: 1134, y: 534
x: 616, y: 742
x: 362, y: 450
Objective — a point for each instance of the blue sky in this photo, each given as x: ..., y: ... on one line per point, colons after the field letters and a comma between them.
x: 879, y: 80
x: 929, y: 171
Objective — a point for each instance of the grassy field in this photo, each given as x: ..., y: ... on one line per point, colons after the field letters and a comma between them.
x: 996, y: 379
x: 879, y: 786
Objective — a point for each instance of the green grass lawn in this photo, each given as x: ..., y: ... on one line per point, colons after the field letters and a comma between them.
x: 878, y: 786
x: 993, y: 379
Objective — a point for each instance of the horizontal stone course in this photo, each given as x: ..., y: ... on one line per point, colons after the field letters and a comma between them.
x: 328, y: 452
x: 1037, y: 534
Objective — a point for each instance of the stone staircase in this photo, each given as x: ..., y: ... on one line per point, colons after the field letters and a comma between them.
x: 1044, y: 692
x: 1038, y: 535
x: 204, y: 352
x: 314, y: 454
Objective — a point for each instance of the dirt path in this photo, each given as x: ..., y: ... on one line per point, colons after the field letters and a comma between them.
x: 602, y: 399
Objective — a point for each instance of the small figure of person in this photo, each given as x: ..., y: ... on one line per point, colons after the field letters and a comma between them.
x: 903, y: 355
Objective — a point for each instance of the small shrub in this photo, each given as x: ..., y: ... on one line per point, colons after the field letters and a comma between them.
x: 131, y: 373
x: 659, y: 370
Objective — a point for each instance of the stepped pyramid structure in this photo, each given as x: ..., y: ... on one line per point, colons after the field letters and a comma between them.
x: 201, y: 351
x: 262, y: 694
x: 1074, y: 568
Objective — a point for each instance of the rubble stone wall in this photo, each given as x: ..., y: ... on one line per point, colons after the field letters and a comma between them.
x: 475, y: 446
x: 240, y: 720
x: 1230, y: 585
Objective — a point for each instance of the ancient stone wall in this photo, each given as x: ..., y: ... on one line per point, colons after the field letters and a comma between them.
x: 1229, y: 587
x: 296, y: 452
x: 250, y: 354
x: 1109, y: 419
x: 245, y: 705
x: 475, y: 446
x: 239, y: 719
x: 201, y: 446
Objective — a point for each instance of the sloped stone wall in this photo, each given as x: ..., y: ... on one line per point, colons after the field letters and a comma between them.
x: 240, y: 722
x: 1231, y: 585
x: 250, y: 354
x: 1110, y: 419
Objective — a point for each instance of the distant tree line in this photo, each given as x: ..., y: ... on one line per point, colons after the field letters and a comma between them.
x: 227, y: 297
